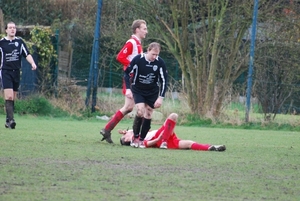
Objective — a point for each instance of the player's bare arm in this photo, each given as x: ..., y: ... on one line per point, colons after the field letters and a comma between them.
x: 31, y: 61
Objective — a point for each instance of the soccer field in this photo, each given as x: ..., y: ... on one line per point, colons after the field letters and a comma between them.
x: 63, y: 159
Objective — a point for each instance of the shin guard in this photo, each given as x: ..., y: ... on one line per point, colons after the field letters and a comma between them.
x: 114, y: 121
x: 137, y: 123
x: 169, y: 128
x: 145, y: 128
x: 9, y: 107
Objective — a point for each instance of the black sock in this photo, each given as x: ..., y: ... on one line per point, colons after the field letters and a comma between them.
x: 137, y: 123
x: 145, y: 128
x: 9, y: 106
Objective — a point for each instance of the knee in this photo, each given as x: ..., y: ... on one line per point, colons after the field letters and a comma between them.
x: 173, y: 116
x: 126, y: 109
x: 140, y: 113
x: 129, y: 108
x: 9, y: 97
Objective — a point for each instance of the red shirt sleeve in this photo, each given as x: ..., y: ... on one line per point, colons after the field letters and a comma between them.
x: 122, y: 56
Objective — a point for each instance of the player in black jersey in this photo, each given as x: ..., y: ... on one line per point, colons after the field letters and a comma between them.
x: 147, y: 87
x: 12, y: 49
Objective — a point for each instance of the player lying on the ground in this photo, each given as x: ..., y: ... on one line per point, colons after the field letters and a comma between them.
x: 165, y: 138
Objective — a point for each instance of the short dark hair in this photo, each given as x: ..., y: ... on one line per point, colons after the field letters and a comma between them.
x: 8, y: 23
x: 124, y: 143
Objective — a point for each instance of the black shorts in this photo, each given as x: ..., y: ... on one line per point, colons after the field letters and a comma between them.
x: 148, y: 96
x: 10, y: 79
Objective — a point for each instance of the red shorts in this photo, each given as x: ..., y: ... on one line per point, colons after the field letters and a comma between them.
x: 124, y: 87
x: 172, y: 143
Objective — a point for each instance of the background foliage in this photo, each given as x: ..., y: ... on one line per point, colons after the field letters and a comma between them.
x: 211, y: 55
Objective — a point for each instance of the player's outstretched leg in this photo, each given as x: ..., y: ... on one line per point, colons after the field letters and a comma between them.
x: 106, y: 132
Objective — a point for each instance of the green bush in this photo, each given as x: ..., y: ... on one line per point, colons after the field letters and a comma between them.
x: 34, y: 105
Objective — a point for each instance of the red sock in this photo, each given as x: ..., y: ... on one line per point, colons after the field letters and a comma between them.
x: 114, y: 121
x: 200, y: 147
x: 168, y: 130
x: 161, y: 129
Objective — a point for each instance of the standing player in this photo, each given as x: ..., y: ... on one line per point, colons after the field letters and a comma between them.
x: 148, y: 89
x: 131, y: 48
x: 165, y: 138
x: 12, y: 49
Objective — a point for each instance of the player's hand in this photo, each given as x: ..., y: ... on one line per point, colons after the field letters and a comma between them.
x: 128, y: 94
x: 122, y: 132
x: 33, y: 66
x: 158, y: 102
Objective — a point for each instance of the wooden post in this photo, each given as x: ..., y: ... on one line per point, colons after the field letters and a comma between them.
x: 2, y: 25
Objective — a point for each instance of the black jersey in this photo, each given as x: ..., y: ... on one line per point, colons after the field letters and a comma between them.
x: 147, y: 75
x: 11, y: 52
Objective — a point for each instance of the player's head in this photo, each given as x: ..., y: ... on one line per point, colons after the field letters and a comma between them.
x: 10, y: 29
x: 153, y: 51
x: 126, y: 137
x: 139, y: 28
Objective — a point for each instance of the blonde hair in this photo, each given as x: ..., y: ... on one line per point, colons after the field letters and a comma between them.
x: 136, y: 24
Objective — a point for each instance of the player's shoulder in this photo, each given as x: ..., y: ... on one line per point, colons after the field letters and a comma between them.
x: 160, y: 60
x: 131, y: 41
x: 139, y: 56
x: 18, y: 38
x: 3, y: 39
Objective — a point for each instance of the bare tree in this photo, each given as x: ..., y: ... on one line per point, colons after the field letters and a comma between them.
x: 206, y: 39
x: 277, y: 68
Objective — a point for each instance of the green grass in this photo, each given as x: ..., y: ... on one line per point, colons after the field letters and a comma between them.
x: 63, y: 159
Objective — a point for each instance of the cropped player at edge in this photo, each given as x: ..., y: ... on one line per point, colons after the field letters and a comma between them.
x: 12, y: 49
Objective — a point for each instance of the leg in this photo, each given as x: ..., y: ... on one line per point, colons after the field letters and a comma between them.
x: 207, y: 147
x: 146, y: 124
x: 11, y: 82
x: 137, y: 124
x: 127, y: 108
x: 169, y: 124
x: 200, y: 147
x: 9, y: 107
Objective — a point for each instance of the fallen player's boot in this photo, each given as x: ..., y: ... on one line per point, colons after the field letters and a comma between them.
x: 163, y: 145
x: 217, y: 148
x: 142, y: 145
x: 106, y: 136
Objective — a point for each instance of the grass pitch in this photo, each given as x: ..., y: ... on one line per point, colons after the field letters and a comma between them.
x: 63, y: 159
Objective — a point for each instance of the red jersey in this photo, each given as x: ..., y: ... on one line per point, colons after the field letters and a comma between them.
x: 131, y: 48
